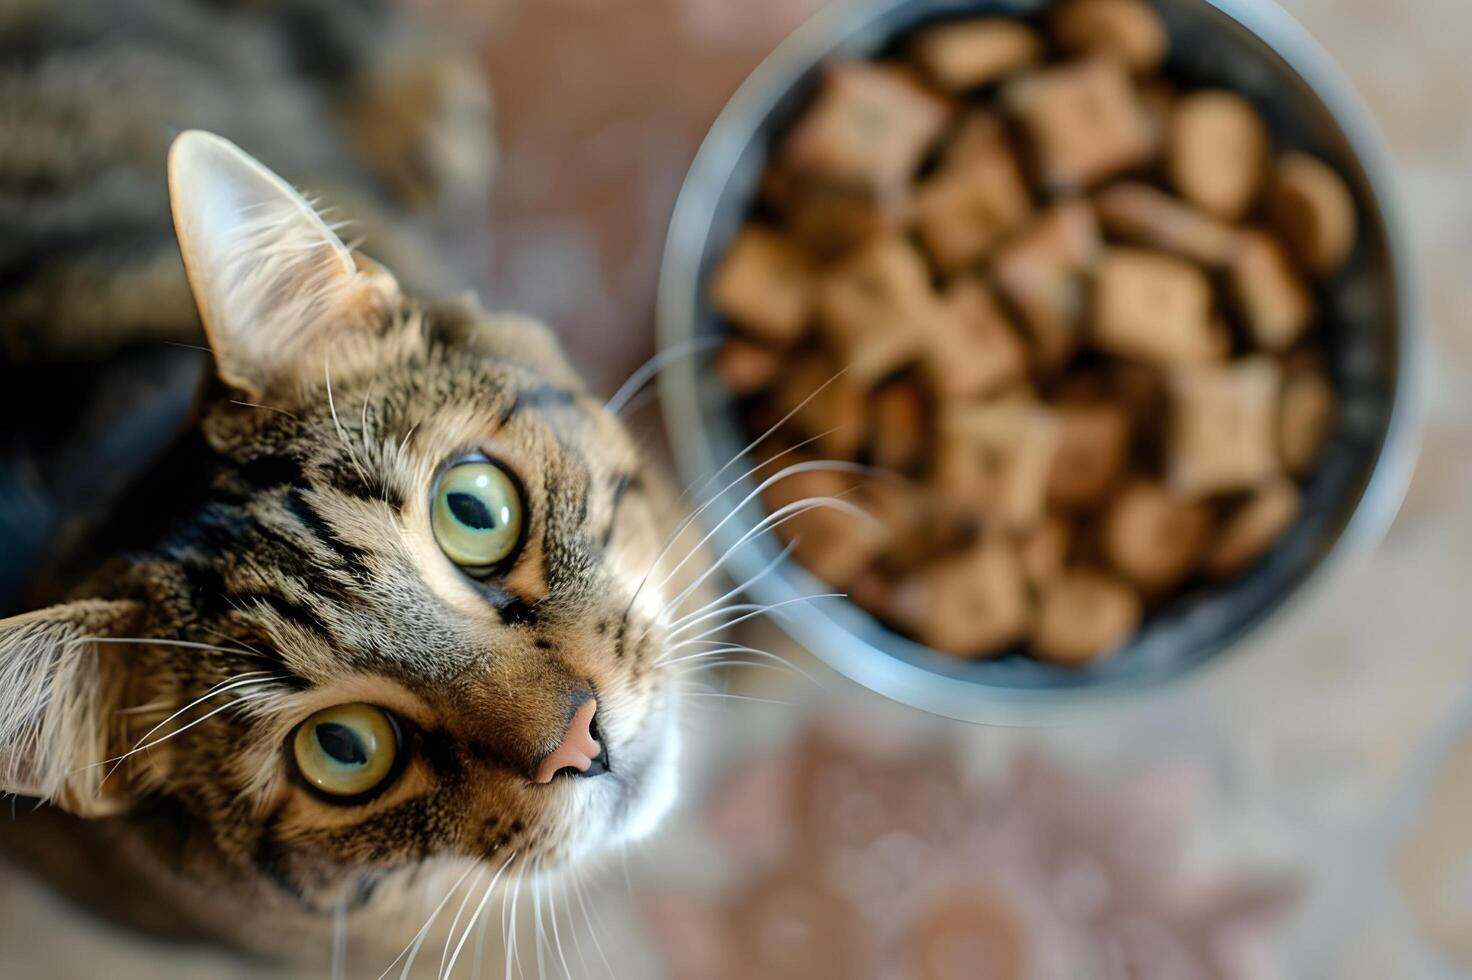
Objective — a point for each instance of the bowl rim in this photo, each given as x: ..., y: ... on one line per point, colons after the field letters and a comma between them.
x: 870, y: 665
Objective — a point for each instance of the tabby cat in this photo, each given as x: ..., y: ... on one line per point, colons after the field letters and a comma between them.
x: 382, y: 607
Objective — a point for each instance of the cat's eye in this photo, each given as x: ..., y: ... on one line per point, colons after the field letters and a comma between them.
x: 347, y: 751
x: 477, y: 515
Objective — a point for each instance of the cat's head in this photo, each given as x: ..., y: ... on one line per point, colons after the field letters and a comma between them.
x: 401, y: 595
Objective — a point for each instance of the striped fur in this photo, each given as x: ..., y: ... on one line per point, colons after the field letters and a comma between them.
x: 276, y: 558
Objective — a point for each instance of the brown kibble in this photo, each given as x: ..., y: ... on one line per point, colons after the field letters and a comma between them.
x: 869, y: 126
x: 968, y: 54
x: 1158, y: 97
x: 963, y: 212
x: 969, y: 605
x: 999, y: 455
x: 1305, y: 419
x: 1130, y: 30
x: 1218, y: 152
x: 900, y: 421
x: 1084, y: 616
x: 1093, y: 448
x: 1085, y: 122
x: 1273, y: 299
x: 824, y: 404
x: 1153, y: 307
x: 980, y: 135
x: 1141, y: 214
x: 875, y: 308
x: 1041, y: 273
x: 906, y: 512
x: 1063, y: 432
x: 1155, y: 536
x: 835, y: 545
x: 1313, y: 210
x: 765, y: 285
x: 831, y: 220
x: 1044, y: 552
x: 1254, y: 528
x: 747, y: 368
x: 1224, y: 426
x: 973, y: 349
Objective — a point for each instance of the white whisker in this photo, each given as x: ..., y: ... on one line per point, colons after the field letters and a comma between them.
x: 459, y: 911
x: 337, y: 422
x: 661, y: 360
x: 340, y: 940
x: 776, y: 518
x: 592, y: 928
x: 480, y: 908
x: 412, y: 949
x: 740, y: 588
x: 694, y: 515
x: 791, y: 470
x: 756, y: 609
x: 185, y: 644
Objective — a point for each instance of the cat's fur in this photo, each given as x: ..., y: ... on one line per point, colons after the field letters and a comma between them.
x: 277, y: 558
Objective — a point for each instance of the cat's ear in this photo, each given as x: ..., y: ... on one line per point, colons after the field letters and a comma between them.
x: 275, y: 287
x: 59, y: 698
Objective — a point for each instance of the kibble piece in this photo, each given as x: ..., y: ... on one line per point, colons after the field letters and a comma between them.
x: 1218, y: 152
x: 869, y: 126
x: 824, y: 404
x: 1254, y: 528
x: 900, y: 422
x: 1093, y: 448
x: 1130, y: 30
x: 1042, y: 273
x: 1000, y: 455
x: 1305, y: 419
x: 1085, y: 122
x: 1153, y: 307
x: 980, y: 134
x: 835, y: 545
x: 1155, y: 536
x: 765, y: 285
x: 1044, y: 552
x: 969, y: 605
x: 905, y: 509
x: 1141, y: 214
x: 1224, y: 426
x: 974, y: 349
x: 1273, y: 299
x: 1313, y: 210
x: 833, y: 220
x: 875, y: 308
x: 971, y: 53
x: 1084, y: 616
x: 963, y: 212
x: 747, y: 368
x: 1158, y: 97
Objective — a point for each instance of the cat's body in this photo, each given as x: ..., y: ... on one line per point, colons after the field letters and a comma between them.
x: 385, y: 125
x: 294, y: 553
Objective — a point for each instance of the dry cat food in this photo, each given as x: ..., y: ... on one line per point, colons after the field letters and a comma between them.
x: 1065, y: 306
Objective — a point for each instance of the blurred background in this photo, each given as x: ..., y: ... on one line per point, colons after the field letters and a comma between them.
x: 1304, y: 810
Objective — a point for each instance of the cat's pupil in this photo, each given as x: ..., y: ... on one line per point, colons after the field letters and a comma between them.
x: 341, y: 743
x: 471, y: 512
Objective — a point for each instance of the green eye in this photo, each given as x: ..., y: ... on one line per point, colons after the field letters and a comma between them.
x: 477, y: 515
x: 347, y: 750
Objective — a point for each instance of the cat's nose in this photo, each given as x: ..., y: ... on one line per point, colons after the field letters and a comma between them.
x: 580, y: 753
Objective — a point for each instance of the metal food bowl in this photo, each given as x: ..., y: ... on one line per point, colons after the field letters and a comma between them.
x: 1371, y: 327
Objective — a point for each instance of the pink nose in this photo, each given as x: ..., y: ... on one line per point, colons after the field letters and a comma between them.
x: 579, y: 750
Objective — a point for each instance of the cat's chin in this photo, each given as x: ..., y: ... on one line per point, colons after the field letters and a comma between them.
x: 632, y: 803
x: 659, y: 788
